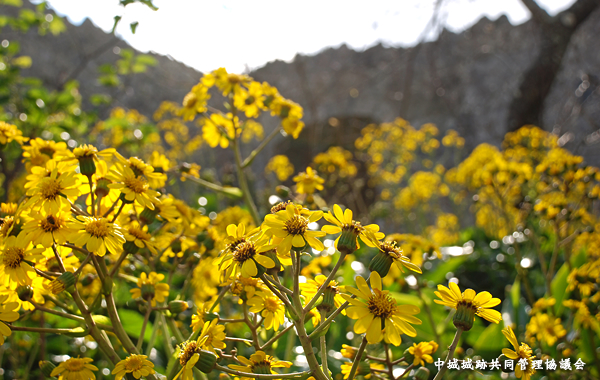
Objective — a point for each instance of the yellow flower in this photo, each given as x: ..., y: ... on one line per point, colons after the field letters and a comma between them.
x: 140, y: 237
x: 10, y: 132
x: 189, y: 353
x: 478, y: 303
x: 16, y: 255
x: 46, y: 229
x: 342, y: 221
x: 378, y: 314
x: 291, y: 226
x: 421, y: 351
x: 75, y: 369
x: 363, y: 369
x: 545, y: 328
x: 155, y: 180
x: 98, y: 235
x: 243, y: 252
x: 270, y: 307
x: 54, y: 192
x: 310, y: 287
x: 133, y: 187
x: 150, y: 287
x: 520, y: 352
x: 281, y: 166
x: 8, y: 313
x: 348, y: 351
x: 249, y: 101
x: 138, y: 365
x: 308, y: 181
x: 39, y: 151
x: 194, y: 102
x: 219, y: 130
x: 259, y: 363
x: 391, y: 254
x: 214, y: 334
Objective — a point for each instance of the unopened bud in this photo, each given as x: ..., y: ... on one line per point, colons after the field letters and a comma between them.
x: 381, y: 263
x: 422, y: 374
x: 46, y: 367
x: 64, y: 281
x: 148, y: 216
x: 24, y: 292
x: 87, y: 166
x: 102, y: 188
x: 177, y: 306
x: 87, y: 279
x: 207, y: 361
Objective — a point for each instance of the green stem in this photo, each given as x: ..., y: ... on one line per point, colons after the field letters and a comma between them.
x: 358, y: 357
x: 276, y: 337
x: 406, y: 371
x: 248, y: 161
x: 324, y: 285
x: 429, y: 315
x: 219, y: 298
x: 243, y: 183
x: 152, y: 337
x: 230, y: 191
x: 174, y: 330
x: 323, y: 348
x: 451, y: 350
x: 144, y: 324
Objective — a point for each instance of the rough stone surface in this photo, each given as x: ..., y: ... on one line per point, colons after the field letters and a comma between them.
x: 461, y: 81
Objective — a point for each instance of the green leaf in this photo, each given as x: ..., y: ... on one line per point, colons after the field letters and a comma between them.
x: 491, y: 340
x: 132, y: 322
x: 117, y: 19
x: 559, y: 288
x: 100, y: 99
x: 134, y: 26
x: 145, y: 59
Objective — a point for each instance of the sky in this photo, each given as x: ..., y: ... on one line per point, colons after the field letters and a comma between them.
x: 241, y: 35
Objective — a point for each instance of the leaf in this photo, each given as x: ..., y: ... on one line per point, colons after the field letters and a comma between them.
x: 491, y: 340
x: 117, y: 19
x: 132, y: 322
x: 559, y: 287
x: 134, y: 26
x: 145, y: 59
x: 102, y: 319
x: 23, y: 62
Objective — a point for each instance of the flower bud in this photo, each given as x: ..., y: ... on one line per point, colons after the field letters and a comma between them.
x: 24, y: 292
x: 381, y: 263
x: 130, y: 247
x: 46, y: 367
x: 207, y: 361
x: 102, y: 188
x: 422, y: 374
x: 148, y: 216
x: 465, y: 316
x: 87, y: 166
x: 282, y: 191
x: 327, y: 302
x: 148, y: 291
x: 178, y: 306
x: 408, y: 357
x: 348, y: 351
x: 87, y: 279
x: 64, y: 281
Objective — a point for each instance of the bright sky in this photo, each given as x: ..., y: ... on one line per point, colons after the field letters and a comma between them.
x: 237, y: 34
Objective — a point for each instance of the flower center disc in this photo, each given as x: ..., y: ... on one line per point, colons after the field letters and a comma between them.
x: 139, y: 234
x: 271, y: 304
x: 244, y: 251
x: 297, y: 225
x: 13, y: 257
x: 50, y: 224
x: 133, y: 363
x: 381, y: 304
x: 97, y: 228
x: 188, y: 351
x: 50, y: 188
x: 137, y: 184
x: 75, y: 365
